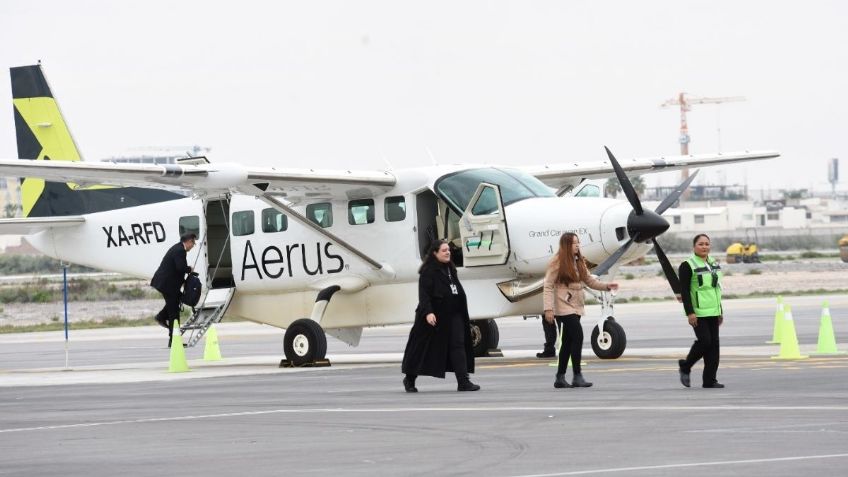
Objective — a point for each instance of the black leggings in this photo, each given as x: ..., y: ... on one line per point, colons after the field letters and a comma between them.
x: 572, y: 343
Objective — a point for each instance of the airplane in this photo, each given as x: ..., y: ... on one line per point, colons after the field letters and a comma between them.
x: 330, y: 252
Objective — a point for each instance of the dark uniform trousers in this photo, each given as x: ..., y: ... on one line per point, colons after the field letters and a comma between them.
x: 170, y: 312
x: 706, y: 346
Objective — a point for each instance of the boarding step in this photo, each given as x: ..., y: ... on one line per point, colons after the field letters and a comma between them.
x: 211, y: 311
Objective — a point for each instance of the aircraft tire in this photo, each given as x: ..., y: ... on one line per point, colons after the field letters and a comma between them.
x: 304, y: 342
x: 613, y: 342
x: 484, y: 336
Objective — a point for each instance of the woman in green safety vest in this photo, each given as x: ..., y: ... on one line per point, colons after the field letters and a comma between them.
x: 700, y: 275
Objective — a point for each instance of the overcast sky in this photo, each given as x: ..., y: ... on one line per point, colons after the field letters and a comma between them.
x: 359, y: 84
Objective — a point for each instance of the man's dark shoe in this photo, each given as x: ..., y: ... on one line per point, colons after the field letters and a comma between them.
x: 467, y: 386
x: 714, y: 385
x: 561, y: 383
x: 161, y: 322
x: 409, y: 385
x: 579, y: 382
x: 684, y: 375
x: 547, y: 353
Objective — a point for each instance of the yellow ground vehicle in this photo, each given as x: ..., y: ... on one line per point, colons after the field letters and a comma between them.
x: 843, y: 248
x: 738, y: 252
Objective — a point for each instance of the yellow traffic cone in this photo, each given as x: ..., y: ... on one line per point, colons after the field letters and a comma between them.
x: 789, y: 341
x: 211, y: 352
x: 778, y: 320
x: 178, y: 363
x: 827, y: 340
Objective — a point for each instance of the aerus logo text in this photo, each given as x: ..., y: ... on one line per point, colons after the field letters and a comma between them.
x: 139, y: 234
x: 297, y: 258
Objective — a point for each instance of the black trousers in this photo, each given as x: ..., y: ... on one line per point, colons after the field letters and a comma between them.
x: 550, y: 330
x: 456, y: 349
x: 170, y: 312
x: 706, y: 346
x: 572, y: 343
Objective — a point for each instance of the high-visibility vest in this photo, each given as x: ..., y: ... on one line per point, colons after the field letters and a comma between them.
x: 705, y: 289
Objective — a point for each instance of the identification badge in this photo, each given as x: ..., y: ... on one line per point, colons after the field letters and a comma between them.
x: 453, y: 289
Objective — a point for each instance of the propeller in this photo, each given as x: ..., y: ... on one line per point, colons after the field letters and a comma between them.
x: 644, y: 225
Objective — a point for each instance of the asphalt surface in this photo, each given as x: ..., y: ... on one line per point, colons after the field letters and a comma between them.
x: 118, y: 411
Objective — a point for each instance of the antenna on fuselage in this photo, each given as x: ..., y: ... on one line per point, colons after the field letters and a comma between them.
x: 432, y: 157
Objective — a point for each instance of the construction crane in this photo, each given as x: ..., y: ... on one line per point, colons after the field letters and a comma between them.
x: 685, y: 101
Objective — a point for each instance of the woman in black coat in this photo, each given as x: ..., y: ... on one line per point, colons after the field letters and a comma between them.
x: 440, y: 339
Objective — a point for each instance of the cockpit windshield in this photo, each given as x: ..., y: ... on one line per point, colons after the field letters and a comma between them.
x: 458, y: 188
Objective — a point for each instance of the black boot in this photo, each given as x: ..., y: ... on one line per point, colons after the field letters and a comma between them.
x: 465, y: 384
x: 684, y: 373
x: 547, y: 353
x: 409, y: 383
x: 561, y: 383
x: 579, y: 382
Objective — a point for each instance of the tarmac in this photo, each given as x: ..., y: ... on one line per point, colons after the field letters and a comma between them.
x: 116, y: 409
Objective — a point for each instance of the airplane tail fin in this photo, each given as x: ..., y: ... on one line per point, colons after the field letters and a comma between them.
x: 42, y: 134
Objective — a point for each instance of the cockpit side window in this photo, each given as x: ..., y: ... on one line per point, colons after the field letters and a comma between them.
x: 589, y: 190
x: 487, y: 203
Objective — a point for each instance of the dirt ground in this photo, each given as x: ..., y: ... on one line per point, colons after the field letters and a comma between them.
x: 635, y: 281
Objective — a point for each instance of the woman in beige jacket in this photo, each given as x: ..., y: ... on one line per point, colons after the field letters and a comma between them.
x: 563, y: 299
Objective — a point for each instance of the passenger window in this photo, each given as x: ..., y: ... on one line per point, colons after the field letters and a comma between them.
x: 321, y: 214
x: 274, y: 221
x: 360, y: 212
x: 395, y: 208
x: 487, y: 203
x: 190, y: 224
x: 243, y: 223
x: 590, y: 190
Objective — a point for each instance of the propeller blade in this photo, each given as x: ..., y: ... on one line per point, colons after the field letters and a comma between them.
x: 672, y: 198
x: 609, y: 262
x: 626, y: 186
x: 668, y: 269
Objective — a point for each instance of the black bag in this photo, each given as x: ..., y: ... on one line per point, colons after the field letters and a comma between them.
x: 191, y: 290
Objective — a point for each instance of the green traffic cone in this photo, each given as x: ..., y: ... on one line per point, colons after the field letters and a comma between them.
x: 789, y: 349
x: 178, y: 363
x: 211, y: 352
x: 827, y: 339
x: 778, y: 320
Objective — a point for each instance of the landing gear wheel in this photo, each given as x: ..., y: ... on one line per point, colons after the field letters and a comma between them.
x: 304, y: 342
x: 484, y: 336
x: 610, y: 344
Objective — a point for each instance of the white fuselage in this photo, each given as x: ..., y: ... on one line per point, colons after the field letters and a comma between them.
x: 277, y: 275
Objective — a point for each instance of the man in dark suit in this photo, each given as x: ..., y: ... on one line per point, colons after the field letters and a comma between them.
x: 169, y: 278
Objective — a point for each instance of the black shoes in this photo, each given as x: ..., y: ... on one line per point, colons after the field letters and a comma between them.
x: 409, y: 385
x: 714, y: 385
x: 547, y: 353
x: 684, y: 375
x: 467, y: 386
x: 579, y: 382
x: 561, y: 383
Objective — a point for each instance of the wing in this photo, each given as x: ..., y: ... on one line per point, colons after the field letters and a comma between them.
x: 571, y: 174
x: 32, y: 225
x: 204, y: 178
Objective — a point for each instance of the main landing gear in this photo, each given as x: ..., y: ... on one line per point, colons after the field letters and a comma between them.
x: 304, y: 344
x: 485, y: 338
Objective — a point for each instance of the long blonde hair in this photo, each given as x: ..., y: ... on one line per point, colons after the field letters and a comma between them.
x: 571, y: 267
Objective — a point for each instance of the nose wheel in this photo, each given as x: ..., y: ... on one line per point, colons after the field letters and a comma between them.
x: 608, y: 337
